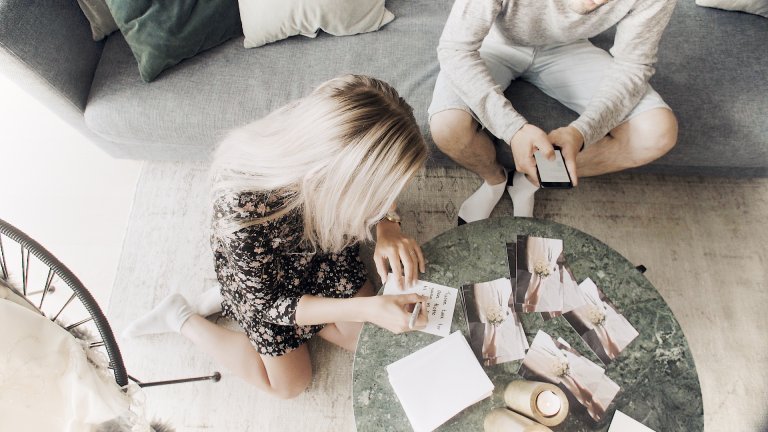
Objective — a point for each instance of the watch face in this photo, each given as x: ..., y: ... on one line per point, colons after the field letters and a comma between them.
x: 393, y: 217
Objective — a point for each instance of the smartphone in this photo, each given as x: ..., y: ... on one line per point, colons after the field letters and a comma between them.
x: 553, y: 173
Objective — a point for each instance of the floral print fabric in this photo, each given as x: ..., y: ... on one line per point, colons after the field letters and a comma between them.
x: 265, y: 269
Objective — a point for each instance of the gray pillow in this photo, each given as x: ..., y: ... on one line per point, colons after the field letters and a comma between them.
x: 757, y: 7
x: 98, y: 14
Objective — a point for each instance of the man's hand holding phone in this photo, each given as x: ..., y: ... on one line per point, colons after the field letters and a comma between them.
x: 570, y: 141
x: 525, y: 143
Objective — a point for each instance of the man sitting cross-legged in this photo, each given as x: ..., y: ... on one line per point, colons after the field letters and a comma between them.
x: 623, y: 123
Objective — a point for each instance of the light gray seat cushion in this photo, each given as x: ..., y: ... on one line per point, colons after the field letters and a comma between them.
x: 190, y: 106
x: 711, y: 71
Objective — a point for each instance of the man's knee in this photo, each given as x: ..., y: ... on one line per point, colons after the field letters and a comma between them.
x: 649, y: 135
x: 453, y: 128
x: 657, y: 134
x: 667, y: 132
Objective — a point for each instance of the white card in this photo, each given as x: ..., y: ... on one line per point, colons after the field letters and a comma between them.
x: 624, y: 423
x: 438, y: 381
x: 440, y: 306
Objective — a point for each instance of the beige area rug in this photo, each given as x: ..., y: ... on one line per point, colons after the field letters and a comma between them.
x: 702, y: 240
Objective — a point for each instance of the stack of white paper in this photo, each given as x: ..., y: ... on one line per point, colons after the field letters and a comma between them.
x: 438, y: 381
x: 624, y: 423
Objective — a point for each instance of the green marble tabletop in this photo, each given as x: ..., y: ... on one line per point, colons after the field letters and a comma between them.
x: 656, y: 372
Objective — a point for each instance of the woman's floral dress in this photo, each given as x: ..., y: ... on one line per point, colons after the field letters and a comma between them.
x: 265, y: 269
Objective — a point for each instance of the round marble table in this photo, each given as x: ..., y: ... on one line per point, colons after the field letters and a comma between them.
x: 656, y: 372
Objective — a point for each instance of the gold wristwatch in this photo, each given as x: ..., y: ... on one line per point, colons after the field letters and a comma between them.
x: 392, y: 216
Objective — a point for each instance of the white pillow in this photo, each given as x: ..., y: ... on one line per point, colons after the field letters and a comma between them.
x: 757, y: 7
x: 266, y: 21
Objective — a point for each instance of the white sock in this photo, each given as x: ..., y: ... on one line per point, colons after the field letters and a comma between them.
x: 166, y: 317
x: 480, y: 204
x: 521, y: 192
x: 209, y: 302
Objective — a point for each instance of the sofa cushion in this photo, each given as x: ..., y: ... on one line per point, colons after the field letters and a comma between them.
x: 758, y: 7
x: 267, y: 21
x: 98, y: 15
x: 161, y: 34
x: 188, y: 108
x: 708, y: 72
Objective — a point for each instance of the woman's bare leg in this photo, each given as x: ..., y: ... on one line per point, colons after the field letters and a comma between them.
x: 346, y: 334
x: 284, y: 376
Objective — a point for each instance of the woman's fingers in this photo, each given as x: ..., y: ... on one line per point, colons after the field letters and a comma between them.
x: 408, y: 299
x: 420, y: 257
x: 397, y: 268
x: 422, y: 321
x: 415, y: 299
x: 409, y: 265
x: 381, y: 267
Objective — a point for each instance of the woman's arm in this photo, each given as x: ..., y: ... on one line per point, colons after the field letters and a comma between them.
x: 391, y: 312
x: 401, y: 252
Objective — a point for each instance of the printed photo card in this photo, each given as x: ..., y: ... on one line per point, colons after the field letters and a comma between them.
x: 584, y: 382
x: 599, y: 323
x: 540, y: 273
x: 495, y: 332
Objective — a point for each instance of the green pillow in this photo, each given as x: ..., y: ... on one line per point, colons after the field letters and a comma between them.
x: 163, y: 33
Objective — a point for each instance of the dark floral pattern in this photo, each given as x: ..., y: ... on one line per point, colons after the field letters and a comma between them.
x: 265, y: 269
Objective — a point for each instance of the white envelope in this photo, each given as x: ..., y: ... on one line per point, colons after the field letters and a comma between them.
x: 438, y: 381
x: 624, y: 423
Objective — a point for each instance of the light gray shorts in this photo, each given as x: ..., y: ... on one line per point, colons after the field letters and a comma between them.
x: 571, y: 73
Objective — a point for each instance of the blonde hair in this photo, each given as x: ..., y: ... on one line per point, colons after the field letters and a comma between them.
x: 340, y: 155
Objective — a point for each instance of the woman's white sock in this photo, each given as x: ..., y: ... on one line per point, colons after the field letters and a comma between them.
x: 166, y: 317
x: 480, y: 204
x: 521, y: 192
x: 209, y: 302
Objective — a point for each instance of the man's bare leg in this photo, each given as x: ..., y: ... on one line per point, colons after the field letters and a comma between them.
x: 456, y: 134
x: 636, y: 142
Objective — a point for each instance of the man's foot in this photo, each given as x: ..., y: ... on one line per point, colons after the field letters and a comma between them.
x: 209, y: 302
x: 166, y: 317
x: 521, y: 191
x: 480, y: 204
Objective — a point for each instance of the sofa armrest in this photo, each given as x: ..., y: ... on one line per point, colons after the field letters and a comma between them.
x: 46, y: 47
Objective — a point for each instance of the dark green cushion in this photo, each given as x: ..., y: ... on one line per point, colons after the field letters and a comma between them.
x: 163, y: 33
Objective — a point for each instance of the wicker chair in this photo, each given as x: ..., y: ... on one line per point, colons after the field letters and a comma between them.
x: 58, y: 294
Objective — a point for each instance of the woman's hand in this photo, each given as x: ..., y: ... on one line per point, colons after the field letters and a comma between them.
x: 393, y: 312
x: 401, y: 252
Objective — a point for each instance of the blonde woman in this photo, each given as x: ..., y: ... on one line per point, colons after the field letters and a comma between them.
x: 293, y: 195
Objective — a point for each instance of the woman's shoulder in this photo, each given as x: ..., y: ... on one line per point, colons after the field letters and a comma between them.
x: 239, y: 214
x: 247, y: 204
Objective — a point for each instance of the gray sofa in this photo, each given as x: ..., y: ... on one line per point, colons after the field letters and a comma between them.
x: 713, y: 71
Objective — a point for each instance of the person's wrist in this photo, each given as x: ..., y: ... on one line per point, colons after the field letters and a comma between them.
x: 577, y: 136
x: 519, y: 133
x: 359, y: 308
x: 392, y: 216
